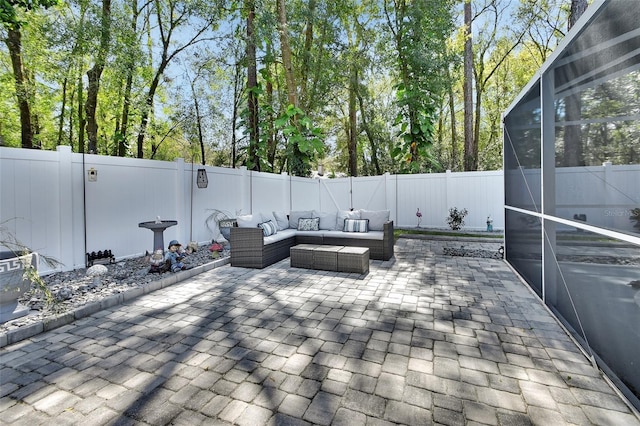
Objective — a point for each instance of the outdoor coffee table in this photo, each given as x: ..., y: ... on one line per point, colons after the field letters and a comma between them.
x: 325, y: 258
x: 302, y: 255
x: 353, y: 259
x: 330, y: 258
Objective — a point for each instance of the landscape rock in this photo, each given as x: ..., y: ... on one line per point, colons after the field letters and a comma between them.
x: 96, y: 270
x: 65, y: 293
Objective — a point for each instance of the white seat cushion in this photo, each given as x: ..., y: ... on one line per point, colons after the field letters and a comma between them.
x: 281, y: 235
x: 371, y: 235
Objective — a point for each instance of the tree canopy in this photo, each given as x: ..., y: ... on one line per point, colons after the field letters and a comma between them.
x: 361, y: 87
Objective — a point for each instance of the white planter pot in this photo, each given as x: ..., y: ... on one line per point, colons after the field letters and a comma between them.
x: 13, y: 284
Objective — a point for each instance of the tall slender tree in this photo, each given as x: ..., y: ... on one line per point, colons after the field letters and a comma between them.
x: 470, y: 145
x: 252, y: 87
x: 93, y: 77
x: 9, y: 11
x: 287, y: 62
x: 421, y: 73
x: 573, y: 154
x: 171, y: 16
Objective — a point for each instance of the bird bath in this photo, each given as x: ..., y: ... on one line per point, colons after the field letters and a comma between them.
x: 158, y: 228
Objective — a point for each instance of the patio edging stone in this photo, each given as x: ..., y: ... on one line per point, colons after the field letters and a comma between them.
x: 14, y: 336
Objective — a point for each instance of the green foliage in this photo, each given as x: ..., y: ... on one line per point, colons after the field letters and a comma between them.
x: 421, y: 30
x: 416, y: 130
x: 8, y: 16
x: 404, y: 53
x: 455, y: 220
x: 304, y: 140
x: 9, y: 240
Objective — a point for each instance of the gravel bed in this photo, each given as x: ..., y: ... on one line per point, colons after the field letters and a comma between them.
x: 77, y: 288
x: 465, y: 252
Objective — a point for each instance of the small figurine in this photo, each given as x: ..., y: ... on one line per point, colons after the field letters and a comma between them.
x: 157, y: 262
x: 489, y: 224
x: 175, y: 255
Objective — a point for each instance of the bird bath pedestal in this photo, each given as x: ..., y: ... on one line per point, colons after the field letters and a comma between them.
x: 158, y: 230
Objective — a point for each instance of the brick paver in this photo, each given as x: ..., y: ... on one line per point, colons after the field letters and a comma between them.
x: 421, y: 339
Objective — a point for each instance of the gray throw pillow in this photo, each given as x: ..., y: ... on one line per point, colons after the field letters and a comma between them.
x: 281, y: 220
x: 297, y: 214
x: 345, y: 214
x: 377, y: 218
x: 327, y: 220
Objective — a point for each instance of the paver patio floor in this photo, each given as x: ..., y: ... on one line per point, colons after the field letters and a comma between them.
x: 422, y: 339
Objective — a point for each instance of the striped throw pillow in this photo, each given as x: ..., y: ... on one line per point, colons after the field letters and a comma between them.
x: 268, y: 228
x: 356, y: 225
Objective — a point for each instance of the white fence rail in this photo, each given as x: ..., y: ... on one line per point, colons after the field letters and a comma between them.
x: 48, y: 202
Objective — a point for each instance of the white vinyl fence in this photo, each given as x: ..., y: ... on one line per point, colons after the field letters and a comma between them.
x: 48, y: 201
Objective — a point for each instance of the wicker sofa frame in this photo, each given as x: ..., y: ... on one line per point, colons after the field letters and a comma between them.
x: 249, y: 251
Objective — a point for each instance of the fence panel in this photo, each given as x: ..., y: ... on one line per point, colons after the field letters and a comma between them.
x: 305, y: 194
x: 370, y: 193
x: 269, y: 192
x: 335, y: 194
x: 49, y: 198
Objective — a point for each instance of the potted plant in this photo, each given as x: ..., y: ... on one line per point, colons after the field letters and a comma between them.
x: 18, y: 270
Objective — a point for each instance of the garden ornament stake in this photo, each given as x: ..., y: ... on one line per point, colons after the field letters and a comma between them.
x: 419, y: 216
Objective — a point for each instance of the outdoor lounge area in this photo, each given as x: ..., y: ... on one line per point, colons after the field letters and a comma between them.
x: 311, y: 320
x: 422, y: 339
x: 260, y: 240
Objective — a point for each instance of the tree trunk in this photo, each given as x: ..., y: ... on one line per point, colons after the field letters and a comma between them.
x: 198, y: 122
x: 306, y: 58
x: 14, y: 44
x: 367, y: 130
x: 476, y: 127
x: 166, y: 30
x: 469, y: 142
x: 144, y: 121
x: 126, y: 97
x: 286, y: 53
x: 577, y: 9
x: 271, y: 137
x: 252, y: 83
x: 353, y: 124
x: 93, y: 76
x: 81, y: 121
x: 124, y: 121
x: 65, y: 82
x: 573, y: 154
x: 454, y: 135
x: 234, y: 119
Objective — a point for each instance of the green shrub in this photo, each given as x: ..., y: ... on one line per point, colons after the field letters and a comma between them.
x: 456, y: 218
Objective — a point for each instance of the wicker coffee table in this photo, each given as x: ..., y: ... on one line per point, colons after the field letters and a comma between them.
x: 330, y: 258
x: 353, y: 259
x: 302, y: 255
x: 325, y: 258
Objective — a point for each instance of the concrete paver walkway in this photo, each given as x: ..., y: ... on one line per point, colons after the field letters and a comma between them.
x: 422, y: 339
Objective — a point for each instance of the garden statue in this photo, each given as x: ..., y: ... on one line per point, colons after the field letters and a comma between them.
x: 175, y: 256
x: 419, y: 216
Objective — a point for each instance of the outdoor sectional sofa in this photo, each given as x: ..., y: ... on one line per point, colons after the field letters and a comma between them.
x: 251, y: 248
